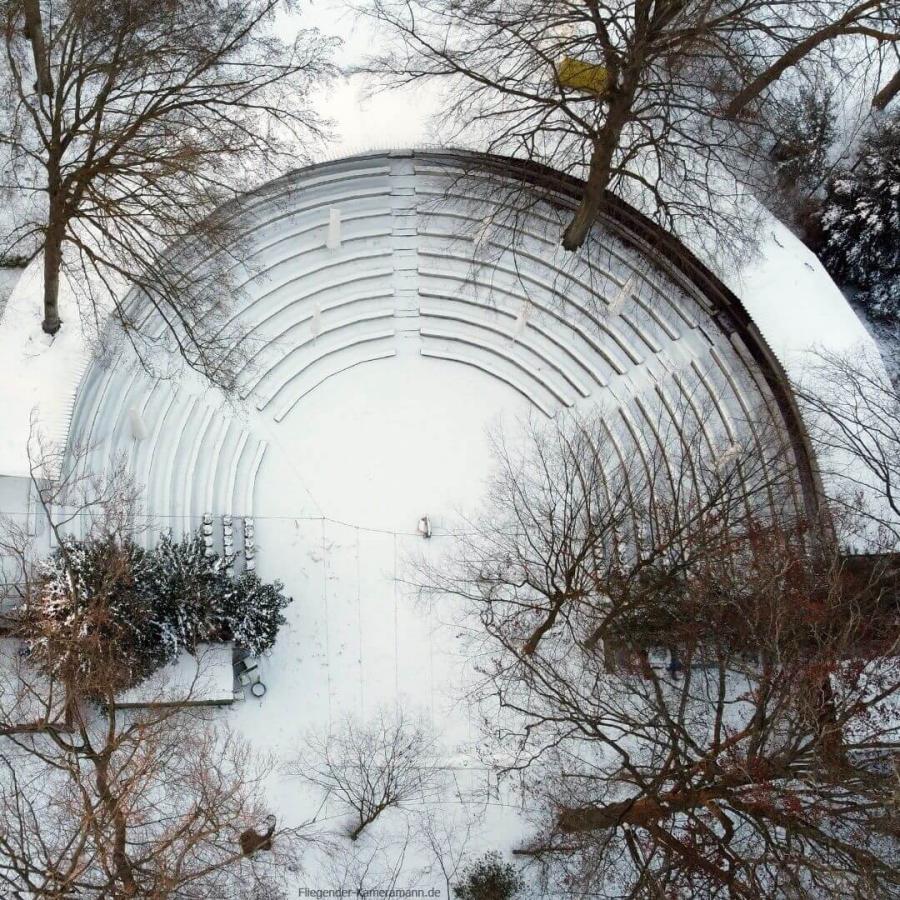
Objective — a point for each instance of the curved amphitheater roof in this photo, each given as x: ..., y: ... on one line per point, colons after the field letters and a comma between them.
x: 413, y: 282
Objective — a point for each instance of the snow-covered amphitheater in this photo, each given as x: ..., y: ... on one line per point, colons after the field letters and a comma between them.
x: 392, y: 328
x: 390, y: 321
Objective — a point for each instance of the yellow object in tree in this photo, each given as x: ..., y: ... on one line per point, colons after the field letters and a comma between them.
x: 583, y: 76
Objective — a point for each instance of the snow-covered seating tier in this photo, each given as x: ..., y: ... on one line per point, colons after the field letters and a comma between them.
x: 408, y: 255
x: 193, y: 460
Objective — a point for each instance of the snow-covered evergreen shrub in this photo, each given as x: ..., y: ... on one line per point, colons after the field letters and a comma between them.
x: 93, y: 619
x: 489, y: 878
x: 252, y: 612
x: 199, y: 601
x: 189, y: 586
x: 110, y: 614
x: 861, y: 223
x: 806, y: 130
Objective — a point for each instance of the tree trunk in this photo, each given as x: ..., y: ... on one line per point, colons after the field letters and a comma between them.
x: 35, y: 31
x: 531, y: 644
x: 52, y: 264
x: 636, y: 812
x: 592, y: 201
x: 600, y: 173
x: 122, y: 868
x: 831, y: 733
x: 642, y: 811
x: 887, y: 93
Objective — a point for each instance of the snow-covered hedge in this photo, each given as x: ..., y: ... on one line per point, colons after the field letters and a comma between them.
x: 110, y: 612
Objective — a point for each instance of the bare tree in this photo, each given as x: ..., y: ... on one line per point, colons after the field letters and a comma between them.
x: 852, y: 406
x: 148, y: 804
x: 135, y: 121
x: 694, y: 684
x: 638, y: 97
x: 446, y: 833
x: 821, y: 24
x: 101, y: 799
x: 378, y: 867
x: 372, y: 766
x: 582, y: 511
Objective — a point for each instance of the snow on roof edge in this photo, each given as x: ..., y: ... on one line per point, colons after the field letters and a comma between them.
x: 795, y: 305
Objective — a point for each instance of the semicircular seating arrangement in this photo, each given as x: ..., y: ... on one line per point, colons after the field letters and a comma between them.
x: 360, y: 261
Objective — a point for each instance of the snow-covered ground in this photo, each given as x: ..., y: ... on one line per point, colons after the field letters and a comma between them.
x: 8, y: 279
x: 382, y: 364
x: 40, y: 373
x: 794, y: 302
x: 358, y: 462
x: 337, y: 480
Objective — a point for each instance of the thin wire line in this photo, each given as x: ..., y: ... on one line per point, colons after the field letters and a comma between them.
x: 283, y: 518
x: 359, y: 619
x: 396, y: 627
x: 149, y: 517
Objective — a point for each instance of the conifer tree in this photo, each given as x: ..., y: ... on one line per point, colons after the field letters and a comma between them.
x: 188, y: 586
x: 95, y: 596
x: 253, y: 612
x: 489, y: 878
x: 136, y: 610
x: 861, y: 224
x: 807, y: 130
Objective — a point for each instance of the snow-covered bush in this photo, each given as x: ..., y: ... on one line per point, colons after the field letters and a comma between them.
x: 489, y: 878
x: 92, y: 619
x: 109, y: 613
x: 189, y: 587
x: 861, y: 223
x: 252, y: 612
x: 200, y: 601
x: 371, y: 766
